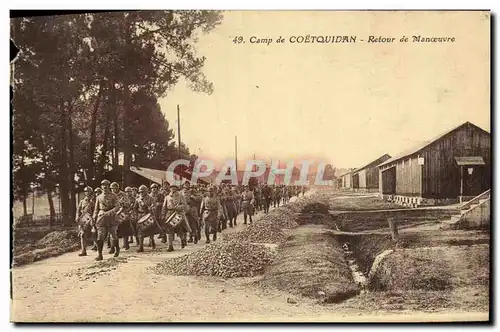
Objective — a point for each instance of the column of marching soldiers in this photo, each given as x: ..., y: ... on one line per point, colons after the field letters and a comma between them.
x: 107, y: 214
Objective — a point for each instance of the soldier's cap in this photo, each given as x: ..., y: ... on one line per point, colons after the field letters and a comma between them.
x: 114, y: 185
x: 187, y: 184
x: 174, y: 186
x: 212, y: 189
x: 128, y: 189
x: 97, y: 189
x: 104, y: 183
x: 88, y: 189
x: 154, y: 185
x: 143, y: 188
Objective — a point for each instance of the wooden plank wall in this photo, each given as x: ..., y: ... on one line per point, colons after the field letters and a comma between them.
x: 441, y: 174
x: 408, y: 177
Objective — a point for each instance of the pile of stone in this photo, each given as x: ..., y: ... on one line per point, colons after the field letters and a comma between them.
x: 281, y: 217
x: 259, y: 232
x: 226, y: 259
x: 59, y: 238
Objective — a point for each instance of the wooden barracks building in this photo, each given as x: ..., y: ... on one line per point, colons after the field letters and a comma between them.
x: 451, y: 168
x: 366, y: 178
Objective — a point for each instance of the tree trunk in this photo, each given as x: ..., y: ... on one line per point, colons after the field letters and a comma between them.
x: 115, y: 129
x: 63, y: 169
x: 25, y: 205
x: 51, y: 207
x: 46, y: 182
x: 93, y: 130
x: 104, y: 152
x: 71, y: 177
x: 127, y: 142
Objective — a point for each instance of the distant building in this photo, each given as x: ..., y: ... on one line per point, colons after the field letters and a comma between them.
x: 452, y: 167
x: 366, y: 178
x: 345, y: 180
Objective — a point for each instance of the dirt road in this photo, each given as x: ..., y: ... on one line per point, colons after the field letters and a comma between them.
x: 69, y: 288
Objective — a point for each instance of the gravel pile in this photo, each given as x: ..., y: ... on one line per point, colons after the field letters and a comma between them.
x: 51, y: 245
x: 281, y: 217
x: 58, y: 238
x: 226, y: 259
x: 259, y: 232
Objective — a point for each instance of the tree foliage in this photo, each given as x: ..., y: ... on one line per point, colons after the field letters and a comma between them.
x: 86, y: 91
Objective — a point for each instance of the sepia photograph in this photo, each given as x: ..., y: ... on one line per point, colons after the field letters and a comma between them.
x: 243, y: 166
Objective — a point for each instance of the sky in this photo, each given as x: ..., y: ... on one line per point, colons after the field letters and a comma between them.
x: 345, y: 103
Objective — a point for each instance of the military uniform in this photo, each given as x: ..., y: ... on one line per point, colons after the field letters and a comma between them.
x: 210, y: 210
x: 143, y: 205
x: 257, y: 197
x: 126, y: 229
x: 284, y: 194
x: 115, y: 189
x: 247, y: 201
x: 266, y: 197
x: 85, y: 207
x: 223, y: 218
x: 175, y: 203
x: 158, y: 199
x: 230, y: 207
x: 192, y: 214
x: 106, y: 206
x: 237, y: 200
x: 277, y: 196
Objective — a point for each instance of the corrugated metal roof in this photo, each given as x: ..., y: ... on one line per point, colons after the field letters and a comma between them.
x: 424, y: 144
x: 461, y: 161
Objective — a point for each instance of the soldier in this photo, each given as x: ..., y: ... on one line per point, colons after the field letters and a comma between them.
x: 143, y: 205
x: 158, y: 199
x: 223, y: 216
x: 97, y: 192
x: 135, y: 195
x: 165, y: 189
x: 85, y: 207
x: 175, y: 203
x: 210, y: 210
x: 193, y: 203
x: 277, y: 196
x: 126, y: 228
x: 257, y: 193
x: 237, y: 200
x: 230, y: 207
x: 104, y: 219
x: 247, y: 202
x: 198, y: 198
x: 284, y: 194
x: 115, y: 189
x: 267, y: 196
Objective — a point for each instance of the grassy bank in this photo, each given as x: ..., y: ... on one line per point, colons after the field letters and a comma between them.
x: 433, y: 269
x: 311, y: 264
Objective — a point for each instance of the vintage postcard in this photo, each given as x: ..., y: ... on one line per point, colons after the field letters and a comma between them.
x: 251, y: 166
